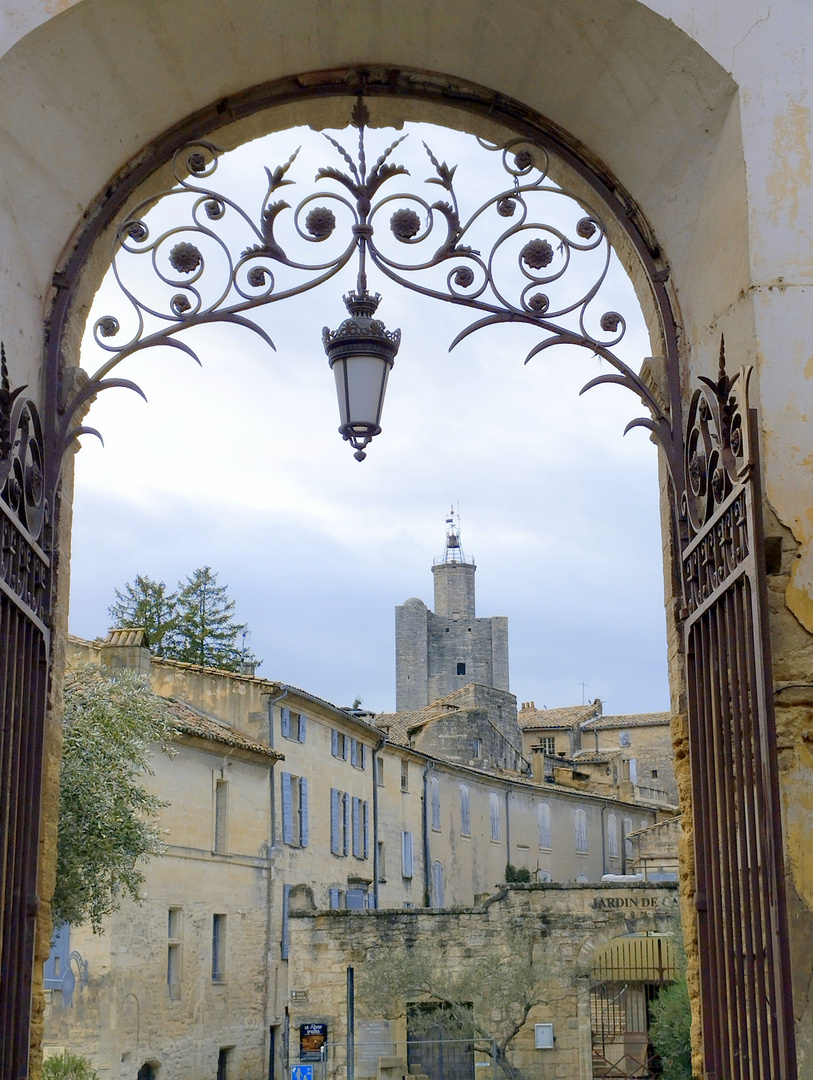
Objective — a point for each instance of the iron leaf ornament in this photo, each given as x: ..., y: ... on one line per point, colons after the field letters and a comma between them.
x: 221, y: 263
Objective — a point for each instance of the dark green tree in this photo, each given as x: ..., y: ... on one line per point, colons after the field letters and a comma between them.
x: 670, y: 1030
x: 147, y: 603
x: 106, y: 815
x: 206, y: 632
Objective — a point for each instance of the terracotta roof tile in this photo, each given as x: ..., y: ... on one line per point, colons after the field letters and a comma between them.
x: 135, y: 636
x: 192, y: 722
x: 567, y: 717
x: 632, y: 720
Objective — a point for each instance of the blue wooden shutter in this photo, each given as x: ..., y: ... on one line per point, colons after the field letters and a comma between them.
x: 406, y: 854
x: 302, y: 727
x: 335, y: 899
x: 434, y: 785
x: 346, y: 801
x: 286, y: 894
x: 334, y: 742
x: 363, y: 756
x: 366, y: 820
x: 354, y: 752
x: 303, y: 812
x: 356, y: 827
x: 285, y: 722
x: 335, y: 846
x: 287, y: 810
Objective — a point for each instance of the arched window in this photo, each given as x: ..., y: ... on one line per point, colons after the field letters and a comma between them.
x: 544, y: 875
x: 434, y: 786
x: 437, y: 884
x: 543, y: 817
x: 627, y: 842
x: 465, y: 816
x: 494, y: 806
x: 612, y: 836
x: 580, y: 822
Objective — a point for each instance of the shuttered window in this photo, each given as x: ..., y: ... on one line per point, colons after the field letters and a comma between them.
x: 365, y: 821
x: 437, y: 885
x: 465, y: 814
x: 302, y: 727
x: 406, y: 854
x: 287, y: 809
x: 334, y: 742
x: 612, y: 836
x: 627, y: 841
x: 303, y: 812
x: 580, y: 826
x: 434, y: 787
x: 543, y: 818
x: 285, y: 722
x: 494, y: 808
x: 357, y: 827
x: 294, y: 810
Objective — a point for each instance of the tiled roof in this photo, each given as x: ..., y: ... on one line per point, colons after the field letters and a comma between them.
x: 192, y: 722
x: 399, y: 726
x: 632, y: 720
x: 530, y: 718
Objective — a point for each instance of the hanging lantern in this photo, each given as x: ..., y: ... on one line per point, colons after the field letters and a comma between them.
x: 361, y: 353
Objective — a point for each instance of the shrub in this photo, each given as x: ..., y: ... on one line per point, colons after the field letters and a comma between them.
x: 67, y: 1066
x: 670, y: 1031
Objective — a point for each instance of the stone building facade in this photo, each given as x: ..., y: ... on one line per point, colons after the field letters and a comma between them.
x: 568, y: 930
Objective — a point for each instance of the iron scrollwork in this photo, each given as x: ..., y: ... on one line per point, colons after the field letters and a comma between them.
x: 717, y: 462
x: 23, y: 503
x: 202, y: 274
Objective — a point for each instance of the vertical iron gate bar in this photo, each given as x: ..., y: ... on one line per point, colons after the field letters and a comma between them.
x: 741, y: 916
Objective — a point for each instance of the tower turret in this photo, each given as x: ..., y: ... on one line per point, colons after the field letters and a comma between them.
x: 454, y: 576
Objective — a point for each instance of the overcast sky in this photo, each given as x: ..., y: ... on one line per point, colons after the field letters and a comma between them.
x: 238, y: 465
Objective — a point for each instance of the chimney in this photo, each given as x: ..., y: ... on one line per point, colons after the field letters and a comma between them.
x: 126, y: 649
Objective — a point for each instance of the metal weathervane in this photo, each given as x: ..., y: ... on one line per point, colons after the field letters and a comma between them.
x: 205, y: 275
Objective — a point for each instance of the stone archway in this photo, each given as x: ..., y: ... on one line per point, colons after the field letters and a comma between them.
x: 73, y: 119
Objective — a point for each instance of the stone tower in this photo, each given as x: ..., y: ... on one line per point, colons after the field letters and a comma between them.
x: 437, y: 652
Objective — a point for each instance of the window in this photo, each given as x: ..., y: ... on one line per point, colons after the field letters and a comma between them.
x: 654, y: 774
x: 612, y: 836
x: 580, y: 824
x: 292, y: 725
x: 221, y: 816
x: 582, y: 879
x: 406, y: 854
x: 465, y: 815
x: 340, y: 822
x: 335, y: 899
x: 355, y: 899
x: 295, y: 825
x: 437, y: 884
x: 548, y: 744
x: 624, y: 738
x: 494, y: 807
x: 627, y: 841
x: 476, y: 748
x: 633, y: 771
x: 339, y: 744
x: 461, y: 669
x: 361, y: 828
x: 174, y: 952
x: 434, y: 788
x: 59, y: 958
x: 379, y: 771
x: 543, y: 819
x: 218, y: 948
x: 358, y: 754
x: 382, y: 876
x: 544, y: 875
x: 223, y: 1063
x: 404, y: 775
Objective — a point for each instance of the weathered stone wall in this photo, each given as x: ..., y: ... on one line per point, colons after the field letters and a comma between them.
x: 563, y: 926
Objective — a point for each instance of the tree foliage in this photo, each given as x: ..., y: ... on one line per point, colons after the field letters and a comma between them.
x: 148, y: 604
x: 670, y: 1030
x: 485, y: 998
x: 106, y: 815
x: 194, y: 623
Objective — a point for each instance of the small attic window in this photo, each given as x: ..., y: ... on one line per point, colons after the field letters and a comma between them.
x: 461, y: 669
x: 447, y: 629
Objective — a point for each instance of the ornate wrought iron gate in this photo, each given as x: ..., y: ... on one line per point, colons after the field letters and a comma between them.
x: 24, y: 645
x: 742, y: 923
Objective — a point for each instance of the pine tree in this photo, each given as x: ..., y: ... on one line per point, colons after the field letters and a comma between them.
x: 146, y: 603
x: 206, y: 632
